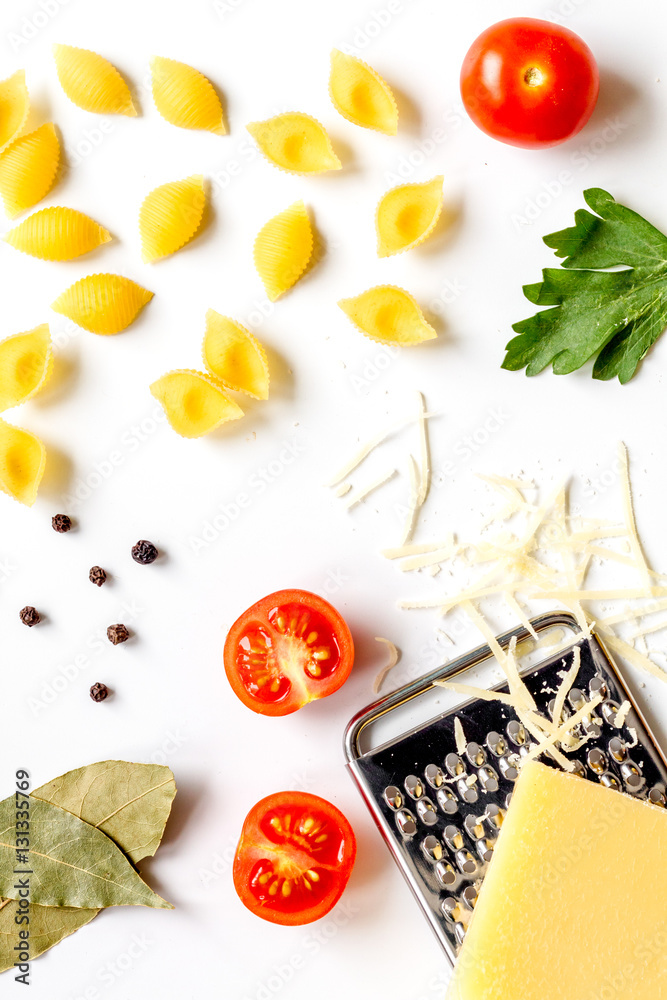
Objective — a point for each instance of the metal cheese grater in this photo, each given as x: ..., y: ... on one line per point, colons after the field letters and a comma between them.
x: 439, y: 823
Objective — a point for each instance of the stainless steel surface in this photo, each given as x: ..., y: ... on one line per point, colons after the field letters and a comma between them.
x: 440, y: 812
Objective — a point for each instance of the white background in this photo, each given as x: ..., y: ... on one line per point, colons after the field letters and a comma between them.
x: 330, y: 389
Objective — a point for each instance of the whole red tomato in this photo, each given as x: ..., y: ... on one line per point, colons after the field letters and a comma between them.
x: 529, y: 83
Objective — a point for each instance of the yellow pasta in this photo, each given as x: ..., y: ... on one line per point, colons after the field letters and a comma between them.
x: 57, y: 234
x: 295, y: 142
x: 102, y: 303
x: 170, y: 216
x: 283, y: 249
x: 234, y: 356
x: 185, y: 97
x: 91, y: 82
x: 193, y: 402
x: 26, y: 362
x: 22, y: 461
x: 14, y: 107
x: 407, y: 215
x: 361, y: 95
x: 28, y: 169
x: 388, y: 314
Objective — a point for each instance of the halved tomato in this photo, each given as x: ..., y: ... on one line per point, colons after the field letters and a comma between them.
x: 294, y: 858
x: 288, y: 649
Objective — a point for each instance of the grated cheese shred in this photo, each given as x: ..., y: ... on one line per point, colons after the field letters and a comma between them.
x: 622, y: 714
x: 548, y: 744
x: 416, y: 550
x: 413, y: 502
x: 365, y: 450
x: 460, y: 737
x: 630, y: 523
x: 536, y: 552
x: 394, y: 657
x: 566, y: 686
x: 370, y: 488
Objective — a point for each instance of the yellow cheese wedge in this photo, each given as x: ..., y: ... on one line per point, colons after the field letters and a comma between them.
x: 574, y: 902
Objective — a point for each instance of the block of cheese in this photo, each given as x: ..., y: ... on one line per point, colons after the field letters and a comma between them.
x: 574, y: 904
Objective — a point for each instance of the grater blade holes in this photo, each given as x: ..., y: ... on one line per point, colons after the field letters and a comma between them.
x: 453, y: 838
x: 445, y: 874
x: 516, y: 732
x: 473, y: 827
x: 609, y: 710
x: 488, y: 779
x: 467, y: 791
x: 475, y: 754
x: 597, y: 760
x: 413, y: 786
x: 657, y: 796
x: 485, y: 850
x: 469, y: 896
x: 432, y: 848
x: 576, y: 698
x: 434, y: 775
x: 426, y: 812
x: 632, y: 777
x: 508, y: 767
x: 496, y: 744
x: 454, y: 765
x: 393, y: 796
x: 597, y: 686
x: 466, y: 862
x: 406, y: 823
x: 447, y: 801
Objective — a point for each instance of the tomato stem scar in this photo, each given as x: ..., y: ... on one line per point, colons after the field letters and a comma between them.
x: 533, y: 76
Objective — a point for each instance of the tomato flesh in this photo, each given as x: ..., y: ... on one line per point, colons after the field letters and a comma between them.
x: 294, y: 858
x: 529, y: 83
x: 290, y: 648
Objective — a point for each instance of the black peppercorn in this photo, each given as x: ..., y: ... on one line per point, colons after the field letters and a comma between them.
x: 97, y: 576
x: 117, y: 633
x: 144, y: 552
x: 29, y: 616
x: 99, y: 692
x: 61, y: 523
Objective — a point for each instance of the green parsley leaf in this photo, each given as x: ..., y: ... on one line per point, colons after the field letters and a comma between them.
x: 616, y: 315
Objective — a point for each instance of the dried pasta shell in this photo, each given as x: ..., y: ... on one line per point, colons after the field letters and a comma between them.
x: 234, y: 356
x: 57, y: 234
x: 102, y: 303
x: 91, y: 82
x: 388, y: 314
x: 193, y: 402
x: 283, y: 249
x: 407, y: 215
x: 295, y: 142
x: 170, y: 216
x: 14, y: 107
x: 28, y: 169
x: 361, y: 95
x: 185, y: 97
x: 26, y: 362
x: 22, y: 461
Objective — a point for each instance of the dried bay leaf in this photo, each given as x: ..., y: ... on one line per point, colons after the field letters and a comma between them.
x: 128, y: 802
x: 82, y: 791
x: 48, y: 925
x: 73, y: 863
